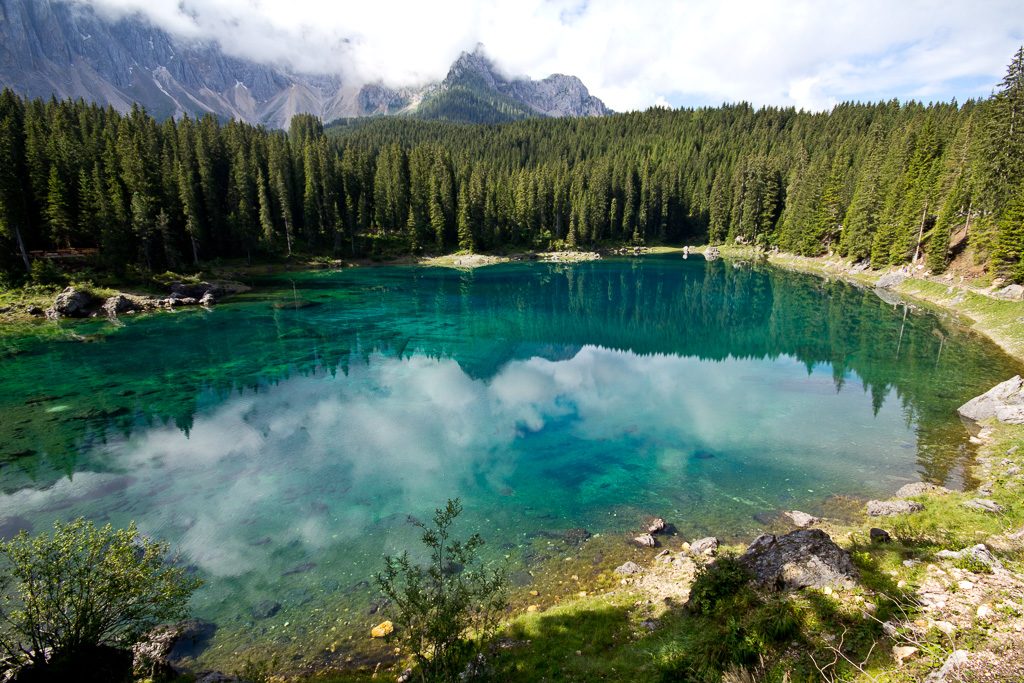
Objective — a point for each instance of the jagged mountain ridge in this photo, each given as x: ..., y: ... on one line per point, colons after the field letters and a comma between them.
x: 51, y: 47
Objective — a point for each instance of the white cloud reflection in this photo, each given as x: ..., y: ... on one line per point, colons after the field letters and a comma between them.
x: 320, y: 461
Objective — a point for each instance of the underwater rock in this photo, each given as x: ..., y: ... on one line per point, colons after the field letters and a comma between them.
x: 800, y: 519
x: 576, y: 536
x: 265, y: 609
x: 628, y: 568
x: 382, y: 630
x: 645, y: 541
x: 887, y: 508
x: 299, y: 569
x: 919, y: 488
x: 704, y: 546
x: 806, y: 558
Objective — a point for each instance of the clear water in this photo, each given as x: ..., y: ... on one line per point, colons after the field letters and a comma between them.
x: 281, y: 442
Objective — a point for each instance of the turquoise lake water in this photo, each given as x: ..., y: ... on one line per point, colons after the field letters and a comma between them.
x: 280, y: 442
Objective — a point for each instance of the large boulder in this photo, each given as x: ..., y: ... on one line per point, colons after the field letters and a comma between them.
x: 1004, y: 401
x: 72, y: 303
x: 806, y: 558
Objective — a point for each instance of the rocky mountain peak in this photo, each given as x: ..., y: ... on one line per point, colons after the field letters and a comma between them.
x: 56, y: 48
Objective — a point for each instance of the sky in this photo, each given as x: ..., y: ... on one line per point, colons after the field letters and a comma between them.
x: 633, y: 54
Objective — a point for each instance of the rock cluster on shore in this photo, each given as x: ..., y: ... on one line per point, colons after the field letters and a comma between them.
x: 77, y: 303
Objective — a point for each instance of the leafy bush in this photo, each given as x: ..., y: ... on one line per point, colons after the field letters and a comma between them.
x: 447, y: 608
x: 82, y: 588
x: 716, y: 582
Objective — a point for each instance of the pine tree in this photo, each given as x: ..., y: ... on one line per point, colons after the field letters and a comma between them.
x: 465, y: 228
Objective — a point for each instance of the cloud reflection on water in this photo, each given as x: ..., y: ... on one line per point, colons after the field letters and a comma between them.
x: 319, y: 462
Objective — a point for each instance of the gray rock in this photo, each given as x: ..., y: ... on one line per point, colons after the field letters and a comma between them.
x: 920, y: 488
x: 645, y: 540
x: 954, y: 663
x: 890, y: 280
x: 712, y: 253
x: 119, y: 304
x: 629, y: 568
x: 879, y: 535
x: 71, y: 303
x: 806, y: 558
x: 979, y: 552
x: 887, y: 508
x: 265, y: 609
x: 983, y: 505
x: 656, y: 525
x: 801, y: 519
x: 35, y: 310
x: 1005, y: 402
x: 207, y: 299
x: 1012, y: 292
x: 152, y: 656
x: 704, y: 546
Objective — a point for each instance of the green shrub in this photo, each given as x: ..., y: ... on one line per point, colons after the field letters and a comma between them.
x: 446, y: 609
x: 714, y: 583
x: 83, y: 588
x: 971, y: 563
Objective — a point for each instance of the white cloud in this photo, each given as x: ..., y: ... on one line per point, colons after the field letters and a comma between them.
x: 632, y: 54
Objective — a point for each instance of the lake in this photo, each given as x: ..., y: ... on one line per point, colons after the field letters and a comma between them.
x: 281, y: 441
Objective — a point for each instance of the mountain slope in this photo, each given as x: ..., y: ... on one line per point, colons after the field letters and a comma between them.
x: 474, y: 90
x: 53, y: 48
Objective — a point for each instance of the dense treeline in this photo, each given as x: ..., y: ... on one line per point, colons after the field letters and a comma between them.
x: 887, y: 182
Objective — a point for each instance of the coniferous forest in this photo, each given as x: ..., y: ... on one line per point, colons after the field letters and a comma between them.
x: 888, y: 182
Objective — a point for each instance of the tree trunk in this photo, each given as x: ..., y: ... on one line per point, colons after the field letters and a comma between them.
x: 920, y: 234
x: 21, y: 248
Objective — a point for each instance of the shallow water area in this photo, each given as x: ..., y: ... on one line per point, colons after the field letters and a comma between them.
x: 281, y: 442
